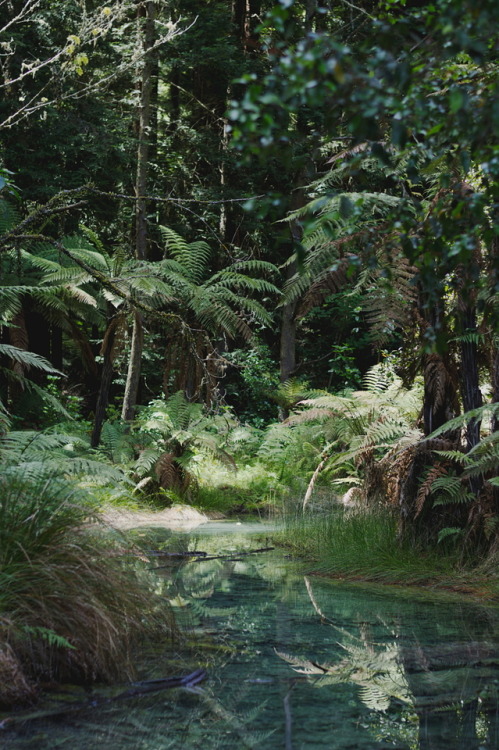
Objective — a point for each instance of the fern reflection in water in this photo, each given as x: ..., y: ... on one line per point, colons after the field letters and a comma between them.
x: 450, y: 688
x: 387, y: 669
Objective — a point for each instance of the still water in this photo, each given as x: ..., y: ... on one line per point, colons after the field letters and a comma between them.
x: 294, y: 662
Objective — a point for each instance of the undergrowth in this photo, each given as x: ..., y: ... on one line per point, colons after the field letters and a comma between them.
x: 251, y: 488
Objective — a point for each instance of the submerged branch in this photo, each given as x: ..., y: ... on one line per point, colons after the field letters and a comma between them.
x: 135, y: 690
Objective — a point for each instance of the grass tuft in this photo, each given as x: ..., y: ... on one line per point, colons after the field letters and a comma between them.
x: 365, y: 545
x: 69, y: 609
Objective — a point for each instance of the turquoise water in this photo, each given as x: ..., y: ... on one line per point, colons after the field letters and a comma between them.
x: 295, y: 662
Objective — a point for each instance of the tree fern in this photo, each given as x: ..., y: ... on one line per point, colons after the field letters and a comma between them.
x: 172, y: 433
x: 211, y: 304
x: 362, y: 427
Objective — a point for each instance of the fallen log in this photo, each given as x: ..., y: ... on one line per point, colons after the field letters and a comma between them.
x: 135, y: 690
x: 203, y: 557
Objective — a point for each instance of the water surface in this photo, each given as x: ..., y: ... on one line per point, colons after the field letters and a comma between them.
x: 296, y: 662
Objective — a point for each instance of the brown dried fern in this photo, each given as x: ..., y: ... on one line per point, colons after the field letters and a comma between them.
x: 439, y: 470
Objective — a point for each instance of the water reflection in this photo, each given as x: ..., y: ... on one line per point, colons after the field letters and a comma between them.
x: 297, y: 662
x: 452, y: 688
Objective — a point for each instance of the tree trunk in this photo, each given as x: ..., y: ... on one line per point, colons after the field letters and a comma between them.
x: 108, y: 350
x: 495, y: 387
x: 470, y: 391
x: 133, y: 374
x: 440, y: 402
x: 494, y: 324
x: 147, y: 14
x: 146, y: 20
x: 287, y: 356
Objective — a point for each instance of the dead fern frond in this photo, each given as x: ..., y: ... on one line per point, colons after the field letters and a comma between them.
x: 170, y: 475
x: 439, y: 470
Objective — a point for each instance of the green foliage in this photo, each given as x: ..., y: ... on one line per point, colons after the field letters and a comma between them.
x: 251, y: 380
x: 220, y: 301
x: 461, y: 473
x: 173, y: 434
x: 356, y: 432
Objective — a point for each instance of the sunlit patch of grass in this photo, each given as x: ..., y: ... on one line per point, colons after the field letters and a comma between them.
x: 251, y: 488
x: 69, y: 608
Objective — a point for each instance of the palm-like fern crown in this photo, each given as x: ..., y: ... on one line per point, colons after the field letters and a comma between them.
x: 179, y: 428
x: 340, y: 432
x: 221, y: 301
x: 58, y: 286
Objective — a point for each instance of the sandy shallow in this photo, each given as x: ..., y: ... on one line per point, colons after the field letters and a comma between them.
x: 177, y: 518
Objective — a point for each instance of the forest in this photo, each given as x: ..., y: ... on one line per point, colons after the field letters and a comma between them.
x: 249, y: 263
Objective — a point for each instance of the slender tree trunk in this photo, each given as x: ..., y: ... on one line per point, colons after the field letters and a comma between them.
x: 108, y: 350
x: 146, y: 20
x: 495, y: 386
x: 287, y: 356
x: 494, y: 324
x: 147, y: 15
x: 288, y: 321
x: 440, y: 402
x: 133, y: 375
x: 470, y: 391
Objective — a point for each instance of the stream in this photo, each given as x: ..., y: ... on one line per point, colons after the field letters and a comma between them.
x: 292, y: 661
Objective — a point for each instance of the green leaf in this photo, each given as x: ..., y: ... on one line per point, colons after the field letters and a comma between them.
x: 28, y: 359
x: 456, y: 100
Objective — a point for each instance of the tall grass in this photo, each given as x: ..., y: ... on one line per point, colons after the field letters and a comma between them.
x: 69, y: 610
x: 365, y: 545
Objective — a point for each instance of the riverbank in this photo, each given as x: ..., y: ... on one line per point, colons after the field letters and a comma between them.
x: 367, y: 547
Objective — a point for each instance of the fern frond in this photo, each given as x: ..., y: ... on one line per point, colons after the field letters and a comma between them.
x: 9, y: 216
x: 384, y: 431
x: 234, y: 280
x: 148, y: 285
x: 11, y: 300
x: 81, y: 296
x: 83, y: 250
x: 329, y: 282
x: 28, y: 359
x: 450, y: 489
x: 426, y: 487
x: 23, y: 443
x: 147, y: 460
x: 173, y: 240
x: 49, y: 298
x: 449, y: 531
x: 482, y: 412
x: 254, y: 266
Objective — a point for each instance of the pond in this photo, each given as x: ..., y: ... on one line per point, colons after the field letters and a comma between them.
x: 293, y: 661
